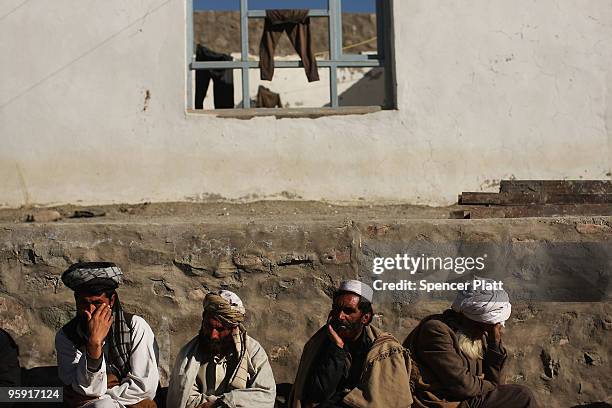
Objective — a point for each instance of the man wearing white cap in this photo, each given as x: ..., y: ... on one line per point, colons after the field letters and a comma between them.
x: 349, y: 363
x: 222, y: 366
x: 458, y: 355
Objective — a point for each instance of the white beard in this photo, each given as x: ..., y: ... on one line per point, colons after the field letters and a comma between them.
x: 472, y: 348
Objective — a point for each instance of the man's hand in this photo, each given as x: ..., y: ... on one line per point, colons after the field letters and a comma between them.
x: 334, y: 336
x: 98, y: 323
x: 494, y: 332
x: 211, y: 404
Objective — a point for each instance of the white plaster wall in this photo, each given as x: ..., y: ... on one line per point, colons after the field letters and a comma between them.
x: 487, y: 89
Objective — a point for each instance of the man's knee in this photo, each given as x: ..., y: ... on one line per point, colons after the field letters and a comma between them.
x: 522, y: 395
x: 101, y: 403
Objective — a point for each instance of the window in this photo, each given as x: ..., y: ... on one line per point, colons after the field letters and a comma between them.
x: 354, y: 71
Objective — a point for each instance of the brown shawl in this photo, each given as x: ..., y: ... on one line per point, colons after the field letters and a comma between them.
x: 443, y: 376
x: 384, y: 380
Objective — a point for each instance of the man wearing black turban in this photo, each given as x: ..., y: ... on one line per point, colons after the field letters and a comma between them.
x: 105, y: 356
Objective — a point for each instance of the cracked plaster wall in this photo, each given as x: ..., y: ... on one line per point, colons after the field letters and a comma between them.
x: 92, y: 108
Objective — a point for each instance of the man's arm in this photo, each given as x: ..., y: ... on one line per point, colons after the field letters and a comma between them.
x: 261, y: 387
x: 330, y: 366
x: 74, y: 371
x: 495, y: 355
x: 436, y: 350
x: 143, y: 378
x: 86, y: 374
x: 197, y: 399
x: 10, y: 372
x: 183, y: 389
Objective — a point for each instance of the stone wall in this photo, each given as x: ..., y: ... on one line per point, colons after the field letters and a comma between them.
x: 285, y: 273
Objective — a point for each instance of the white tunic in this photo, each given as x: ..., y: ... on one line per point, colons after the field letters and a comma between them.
x: 196, y: 379
x: 140, y: 383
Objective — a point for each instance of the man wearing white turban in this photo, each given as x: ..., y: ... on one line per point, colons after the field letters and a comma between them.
x: 222, y: 366
x: 348, y: 362
x: 458, y: 355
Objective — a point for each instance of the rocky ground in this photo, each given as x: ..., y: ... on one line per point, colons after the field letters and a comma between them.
x: 285, y: 209
x: 284, y: 258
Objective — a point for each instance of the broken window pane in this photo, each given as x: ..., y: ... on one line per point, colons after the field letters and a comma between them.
x: 218, y: 5
x: 287, y: 4
x: 359, y: 30
x: 361, y: 86
x: 319, y: 31
x: 216, y: 25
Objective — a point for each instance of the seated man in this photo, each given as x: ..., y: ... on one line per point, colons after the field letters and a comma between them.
x: 222, y: 366
x: 106, y: 357
x: 349, y: 363
x: 458, y: 355
x: 10, y: 371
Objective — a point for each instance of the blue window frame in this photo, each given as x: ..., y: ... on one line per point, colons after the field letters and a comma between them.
x: 337, y: 58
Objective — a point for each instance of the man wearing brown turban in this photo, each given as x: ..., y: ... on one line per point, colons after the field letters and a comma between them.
x: 222, y: 366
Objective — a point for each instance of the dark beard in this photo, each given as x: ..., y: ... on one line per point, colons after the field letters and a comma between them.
x: 83, y: 324
x: 215, y: 347
x: 344, y: 326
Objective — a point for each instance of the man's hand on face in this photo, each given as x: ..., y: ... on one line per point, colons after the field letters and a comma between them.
x: 494, y: 332
x: 98, y: 323
x: 210, y: 404
x: 333, y: 335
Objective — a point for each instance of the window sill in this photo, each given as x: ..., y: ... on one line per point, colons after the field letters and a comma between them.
x: 310, y: 113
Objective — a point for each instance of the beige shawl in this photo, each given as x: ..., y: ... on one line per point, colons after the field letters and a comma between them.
x: 187, y: 367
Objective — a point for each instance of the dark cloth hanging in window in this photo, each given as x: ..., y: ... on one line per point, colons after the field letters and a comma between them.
x: 223, y: 80
x: 267, y: 98
x: 296, y: 24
